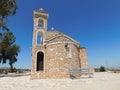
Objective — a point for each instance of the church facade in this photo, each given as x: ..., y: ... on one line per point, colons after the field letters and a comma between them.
x: 53, y: 52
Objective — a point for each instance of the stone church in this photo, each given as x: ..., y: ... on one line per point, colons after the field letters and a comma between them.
x: 53, y: 52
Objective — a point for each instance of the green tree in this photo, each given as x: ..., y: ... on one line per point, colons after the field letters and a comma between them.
x: 7, y: 8
x: 8, y: 49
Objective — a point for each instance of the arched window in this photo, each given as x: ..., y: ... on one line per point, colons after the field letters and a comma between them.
x: 39, y: 40
x: 40, y: 61
x: 69, y: 54
x: 39, y: 37
x: 40, y: 23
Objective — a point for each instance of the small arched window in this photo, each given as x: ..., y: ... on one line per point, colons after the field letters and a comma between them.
x: 39, y: 37
x: 69, y: 53
x: 40, y: 23
x: 39, y: 40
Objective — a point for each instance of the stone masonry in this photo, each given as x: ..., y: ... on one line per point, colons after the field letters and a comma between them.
x: 54, y: 53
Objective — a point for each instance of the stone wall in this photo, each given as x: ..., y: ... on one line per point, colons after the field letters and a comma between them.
x: 56, y: 61
x: 83, y: 58
x: 57, y: 64
x: 61, y: 53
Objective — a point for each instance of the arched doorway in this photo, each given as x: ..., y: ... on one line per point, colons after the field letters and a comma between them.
x: 40, y: 61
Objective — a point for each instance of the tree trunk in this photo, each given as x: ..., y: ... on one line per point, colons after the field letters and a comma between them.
x: 11, y: 67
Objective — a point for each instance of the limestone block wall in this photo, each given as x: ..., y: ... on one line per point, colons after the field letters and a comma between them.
x: 61, y: 53
x: 55, y: 55
x: 57, y: 63
x: 35, y: 50
x: 52, y: 33
x: 83, y: 58
x: 60, y: 39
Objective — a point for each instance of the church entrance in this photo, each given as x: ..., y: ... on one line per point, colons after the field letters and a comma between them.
x: 40, y: 61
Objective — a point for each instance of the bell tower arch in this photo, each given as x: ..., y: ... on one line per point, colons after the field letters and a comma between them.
x: 40, y: 18
x: 40, y: 26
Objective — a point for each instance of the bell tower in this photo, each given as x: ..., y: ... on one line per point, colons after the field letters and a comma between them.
x: 38, y: 51
x: 40, y: 26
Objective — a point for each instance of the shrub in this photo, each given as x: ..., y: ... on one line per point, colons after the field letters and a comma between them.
x: 102, y: 69
x: 1, y: 70
x: 20, y: 71
x: 14, y: 70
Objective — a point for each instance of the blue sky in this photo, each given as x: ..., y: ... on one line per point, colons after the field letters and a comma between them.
x: 94, y: 23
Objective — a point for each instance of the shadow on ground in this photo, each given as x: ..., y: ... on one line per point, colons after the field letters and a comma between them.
x: 14, y: 75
